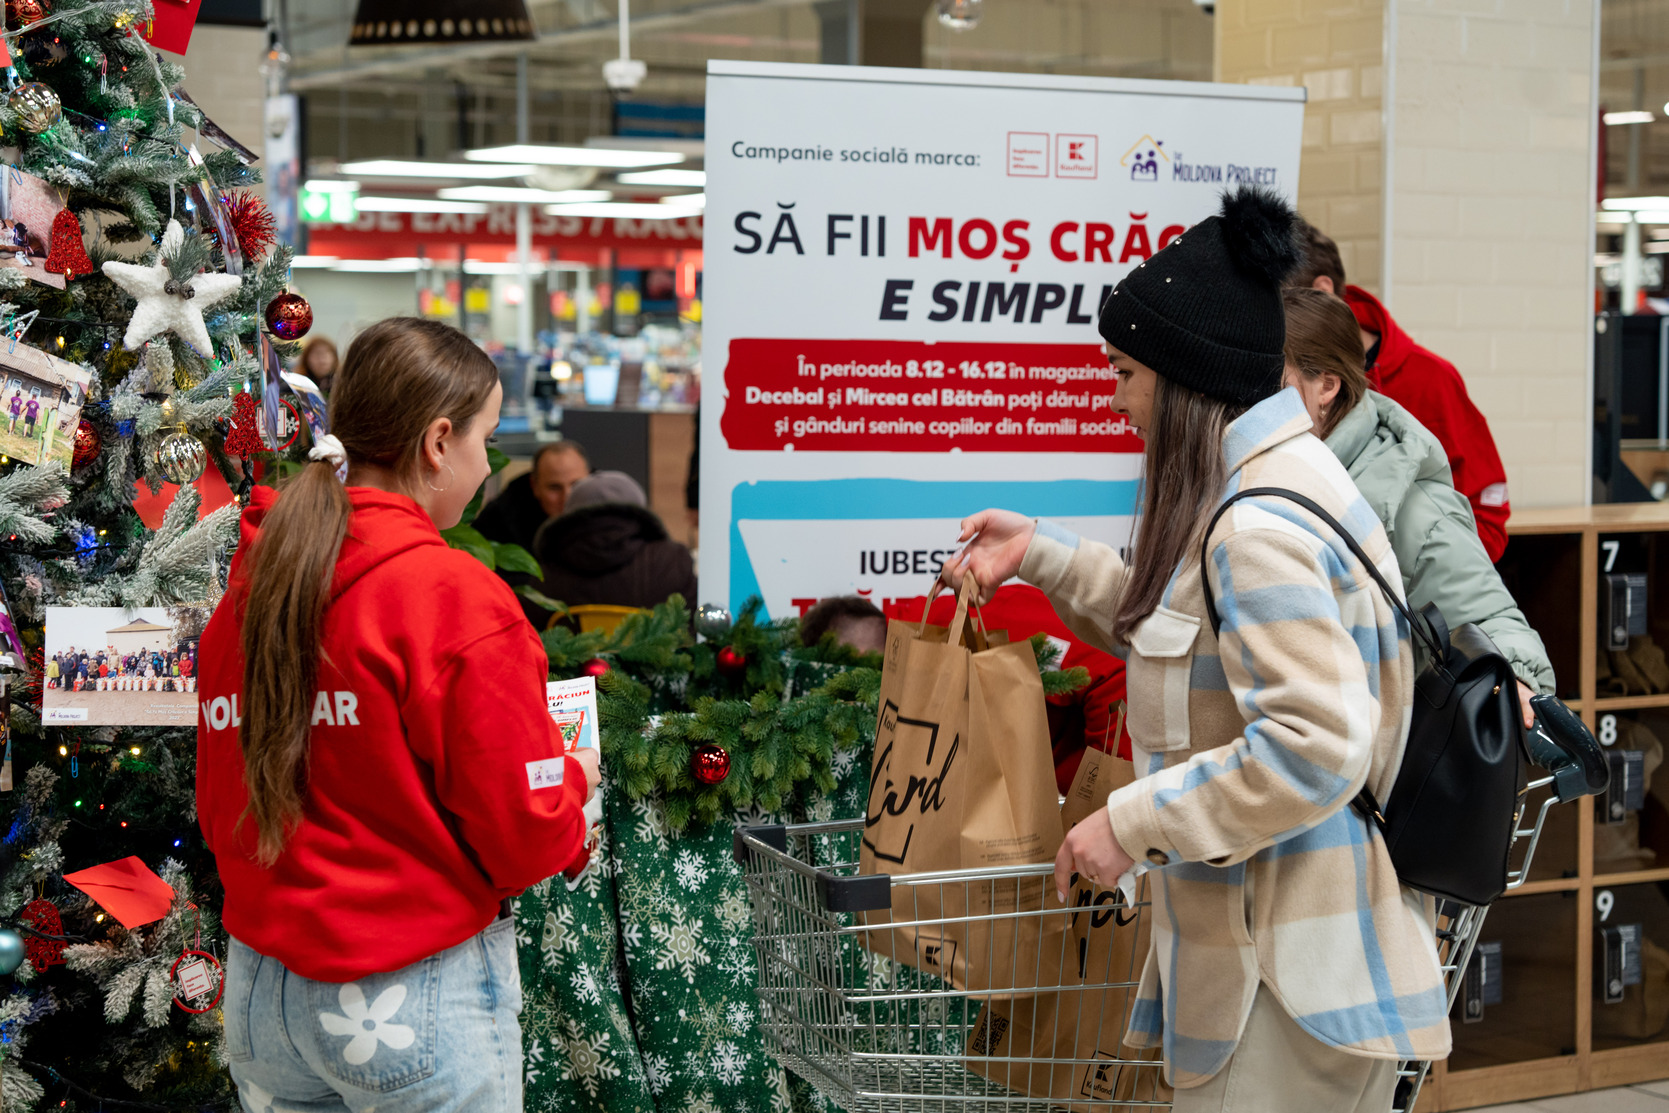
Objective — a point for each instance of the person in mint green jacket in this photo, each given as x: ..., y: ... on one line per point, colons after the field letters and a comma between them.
x: 1403, y: 473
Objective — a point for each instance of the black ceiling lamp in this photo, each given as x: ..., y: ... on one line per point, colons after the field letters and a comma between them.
x: 431, y: 22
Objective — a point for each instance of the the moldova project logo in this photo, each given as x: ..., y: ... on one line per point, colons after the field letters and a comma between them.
x: 1143, y: 159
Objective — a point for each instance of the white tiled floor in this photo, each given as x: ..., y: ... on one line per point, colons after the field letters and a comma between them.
x: 1648, y: 1097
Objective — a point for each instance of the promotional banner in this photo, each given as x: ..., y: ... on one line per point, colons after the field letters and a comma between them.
x: 903, y: 270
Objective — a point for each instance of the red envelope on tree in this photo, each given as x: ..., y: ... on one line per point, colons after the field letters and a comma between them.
x: 128, y: 889
x: 171, y: 29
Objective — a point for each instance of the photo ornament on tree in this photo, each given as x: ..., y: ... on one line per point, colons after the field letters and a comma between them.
x: 28, y: 208
x: 40, y: 403
x: 109, y: 666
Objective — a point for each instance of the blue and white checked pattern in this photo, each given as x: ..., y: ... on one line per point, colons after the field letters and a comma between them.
x: 1251, y: 746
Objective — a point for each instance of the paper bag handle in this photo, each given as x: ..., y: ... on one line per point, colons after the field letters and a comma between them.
x: 969, y: 595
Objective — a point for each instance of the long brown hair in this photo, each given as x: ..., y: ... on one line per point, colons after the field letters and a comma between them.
x: 1184, y: 477
x: 399, y: 377
x: 1323, y: 337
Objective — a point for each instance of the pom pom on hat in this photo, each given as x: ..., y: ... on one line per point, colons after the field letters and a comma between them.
x: 1260, y: 233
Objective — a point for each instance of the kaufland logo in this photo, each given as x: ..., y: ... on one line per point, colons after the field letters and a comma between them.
x: 1143, y: 159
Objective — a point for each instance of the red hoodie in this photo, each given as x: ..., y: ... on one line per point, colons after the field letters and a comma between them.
x: 429, y: 727
x: 1429, y: 387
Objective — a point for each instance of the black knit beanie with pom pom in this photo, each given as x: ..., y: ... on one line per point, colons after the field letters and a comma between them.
x: 1206, y: 311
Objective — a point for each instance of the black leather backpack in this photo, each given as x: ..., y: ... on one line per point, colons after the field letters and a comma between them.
x: 1448, y: 822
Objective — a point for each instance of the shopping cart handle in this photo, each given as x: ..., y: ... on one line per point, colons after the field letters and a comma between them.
x: 1563, y: 745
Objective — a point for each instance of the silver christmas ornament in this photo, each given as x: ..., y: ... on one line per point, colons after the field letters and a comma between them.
x: 37, y: 107
x: 712, y: 622
x: 181, y: 458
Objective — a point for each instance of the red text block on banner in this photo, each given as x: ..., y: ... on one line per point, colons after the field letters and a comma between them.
x: 912, y: 396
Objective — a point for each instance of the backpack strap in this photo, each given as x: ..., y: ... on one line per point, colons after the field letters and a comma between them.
x: 1364, y: 802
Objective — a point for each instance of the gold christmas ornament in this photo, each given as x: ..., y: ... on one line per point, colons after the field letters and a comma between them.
x: 181, y: 457
x: 36, y: 106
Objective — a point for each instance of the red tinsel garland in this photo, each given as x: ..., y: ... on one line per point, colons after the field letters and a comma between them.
x: 252, y: 223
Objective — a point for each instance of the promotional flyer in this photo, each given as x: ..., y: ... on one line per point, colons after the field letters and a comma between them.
x: 903, y: 270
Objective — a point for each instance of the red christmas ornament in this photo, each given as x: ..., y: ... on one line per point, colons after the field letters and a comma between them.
x: 88, y: 441
x: 252, y: 223
x: 731, y: 663
x: 595, y: 667
x: 245, y: 437
x: 199, y: 981
x: 289, y: 316
x: 21, y: 13
x: 42, y: 915
x: 68, y: 255
x: 710, y: 764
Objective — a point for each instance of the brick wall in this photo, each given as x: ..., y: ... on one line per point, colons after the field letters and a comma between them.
x: 1488, y: 129
x: 1334, y: 48
x: 1490, y: 219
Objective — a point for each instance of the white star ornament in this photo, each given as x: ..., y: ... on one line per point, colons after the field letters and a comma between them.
x: 159, y: 310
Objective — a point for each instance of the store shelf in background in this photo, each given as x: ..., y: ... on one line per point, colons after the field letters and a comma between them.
x: 1535, y: 1018
x: 1543, y: 572
x: 1516, y: 1082
x: 1624, y: 703
x: 1631, y: 967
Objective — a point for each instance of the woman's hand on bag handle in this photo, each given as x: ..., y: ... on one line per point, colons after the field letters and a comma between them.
x: 1525, y: 694
x: 1091, y: 850
x: 996, y: 544
x: 590, y: 762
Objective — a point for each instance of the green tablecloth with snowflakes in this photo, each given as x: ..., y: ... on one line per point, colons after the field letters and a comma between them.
x: 638, y: 982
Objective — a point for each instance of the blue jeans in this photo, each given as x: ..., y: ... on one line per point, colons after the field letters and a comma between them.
x: 438, y: 1036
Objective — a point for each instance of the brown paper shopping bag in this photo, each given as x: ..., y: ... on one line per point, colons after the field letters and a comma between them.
x: 1079, y: 1031
x: 962, y: 779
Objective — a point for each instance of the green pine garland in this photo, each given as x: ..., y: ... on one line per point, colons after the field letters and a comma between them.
x: 665, y: 695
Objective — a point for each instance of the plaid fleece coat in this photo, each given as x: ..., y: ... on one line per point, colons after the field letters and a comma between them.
x: 1251, y: 746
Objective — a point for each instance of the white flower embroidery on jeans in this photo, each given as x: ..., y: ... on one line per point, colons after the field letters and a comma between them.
x: 368, y: 1025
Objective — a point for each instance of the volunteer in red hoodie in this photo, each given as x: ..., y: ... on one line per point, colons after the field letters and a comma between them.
x: 376, y: 771
x: 1423, y: 383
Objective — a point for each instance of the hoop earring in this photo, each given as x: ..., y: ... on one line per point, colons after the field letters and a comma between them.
x: 452, y: 475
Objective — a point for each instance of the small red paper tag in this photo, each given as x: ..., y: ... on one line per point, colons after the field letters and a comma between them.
x: 172, y: 27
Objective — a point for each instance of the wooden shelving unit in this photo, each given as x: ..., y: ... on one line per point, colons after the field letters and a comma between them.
x: 1551, y: 1034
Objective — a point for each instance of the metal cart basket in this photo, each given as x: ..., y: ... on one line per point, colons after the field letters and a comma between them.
x: 875, y: 1034
x: 879, y: 1035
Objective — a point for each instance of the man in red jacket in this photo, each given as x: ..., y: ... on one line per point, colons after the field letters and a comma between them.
x: 1423, y: 383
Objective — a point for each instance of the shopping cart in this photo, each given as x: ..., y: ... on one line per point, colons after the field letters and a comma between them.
x: 877, y: 1035
x: 874, y: 1033
x: 1575, y: 766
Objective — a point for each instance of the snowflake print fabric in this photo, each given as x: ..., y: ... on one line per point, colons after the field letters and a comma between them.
x: 640, y: 984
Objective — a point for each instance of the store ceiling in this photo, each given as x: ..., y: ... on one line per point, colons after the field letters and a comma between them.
x: 433, y: 103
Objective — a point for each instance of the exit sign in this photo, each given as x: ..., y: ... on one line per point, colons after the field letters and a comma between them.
x: 336, y: 204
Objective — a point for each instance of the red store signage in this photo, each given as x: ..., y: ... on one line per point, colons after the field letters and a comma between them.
x: 399, y: 233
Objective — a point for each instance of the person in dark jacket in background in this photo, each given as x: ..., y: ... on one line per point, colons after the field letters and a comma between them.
x: 529, y: 501
x: 609, y: 547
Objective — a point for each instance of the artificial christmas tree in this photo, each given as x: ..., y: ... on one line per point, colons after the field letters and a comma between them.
x: 99, y: 1015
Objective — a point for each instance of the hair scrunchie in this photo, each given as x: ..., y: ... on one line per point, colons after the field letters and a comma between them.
x: 328, y: 449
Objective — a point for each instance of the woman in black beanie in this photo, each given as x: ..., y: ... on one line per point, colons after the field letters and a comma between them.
x: 1289, y: 969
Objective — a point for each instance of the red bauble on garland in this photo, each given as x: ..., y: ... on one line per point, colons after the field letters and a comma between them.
x: 245, y: 437
x: 731, y: 663
x: 88, y: 441
x: 68, y: 255
x: 595, y: 667
x: 252, y: 223
x: 710, y: 764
